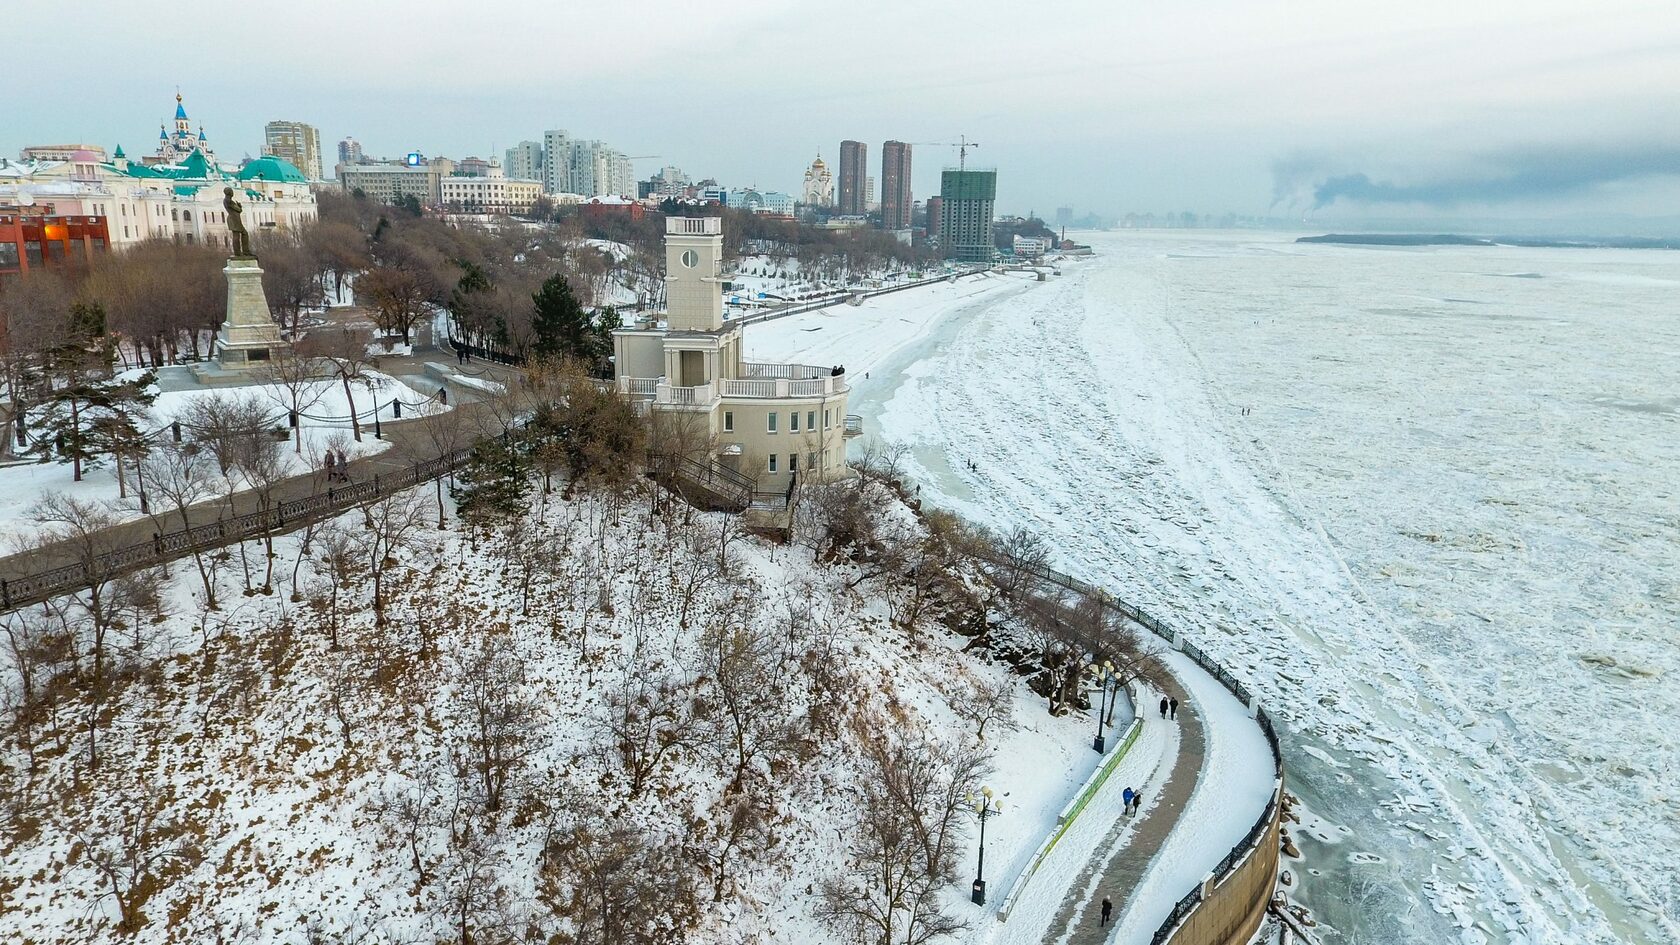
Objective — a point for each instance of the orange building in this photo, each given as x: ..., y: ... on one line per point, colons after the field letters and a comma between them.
x: 32, y: 238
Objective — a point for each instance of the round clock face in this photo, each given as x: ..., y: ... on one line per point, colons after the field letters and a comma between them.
x: 690, y: 258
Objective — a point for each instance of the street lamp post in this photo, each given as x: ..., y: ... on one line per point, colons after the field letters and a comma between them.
x: 1105, y: 674
x: 985, y: 806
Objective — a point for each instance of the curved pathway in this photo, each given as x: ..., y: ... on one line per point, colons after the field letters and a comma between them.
x: 1129, y: 847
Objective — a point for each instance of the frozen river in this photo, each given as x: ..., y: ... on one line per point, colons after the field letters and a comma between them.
x: 1427, y: 499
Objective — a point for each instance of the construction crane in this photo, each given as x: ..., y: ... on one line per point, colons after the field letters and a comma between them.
x: 643, y: 157
x: 962, y: 144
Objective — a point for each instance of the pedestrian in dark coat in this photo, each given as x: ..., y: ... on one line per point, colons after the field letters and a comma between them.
x: 1137, y: 801
x: 1173, y: 708
x: 1163, y: 707
x: 1107, y: 910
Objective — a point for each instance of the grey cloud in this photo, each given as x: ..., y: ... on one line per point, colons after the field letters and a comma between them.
x: 1499, y: 178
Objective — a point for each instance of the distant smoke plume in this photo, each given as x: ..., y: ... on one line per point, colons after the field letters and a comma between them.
x: 1498, y: 178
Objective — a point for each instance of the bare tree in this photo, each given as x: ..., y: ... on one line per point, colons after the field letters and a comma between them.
x: 890, y: 892
x: 499, y: 716
x: 615, y: 884
x: 180, y: 475
x: 136, y: 847
x: 341, y: 564
x: 746, y: 680
x: 300, y: 381
x: 391, y: 528
x: 83, y: 532
x: 644, y: 722
x: 346, y: 352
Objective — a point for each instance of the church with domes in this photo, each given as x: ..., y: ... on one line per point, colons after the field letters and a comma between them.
x: 819, y: 185
x: 174, y: 147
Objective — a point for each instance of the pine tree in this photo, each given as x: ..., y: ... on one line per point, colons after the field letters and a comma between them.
x: 493, y: 483
x: 560, y: 325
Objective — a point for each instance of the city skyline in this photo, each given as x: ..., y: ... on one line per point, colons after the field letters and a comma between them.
x: 1319, y: 110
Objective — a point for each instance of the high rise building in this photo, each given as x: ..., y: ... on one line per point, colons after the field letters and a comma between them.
x: 524, y: 161
x: 966, y: 203
x: 350, y: 151
x: 869, y: 204
x: 1064, y: 216
x: 933, y: 209
x: 296, y: 142
x: 557, y: 162
x: 896, y: 201
x: 854, y: 169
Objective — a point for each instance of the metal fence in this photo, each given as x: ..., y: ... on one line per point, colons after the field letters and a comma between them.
x: 1232, y: 684
x: 162, y: 547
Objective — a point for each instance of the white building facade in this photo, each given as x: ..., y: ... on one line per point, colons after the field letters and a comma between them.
x: 495, y: 192
x: 774, y: 423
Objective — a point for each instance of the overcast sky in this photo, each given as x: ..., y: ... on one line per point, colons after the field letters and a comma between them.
x: 1336, y: 109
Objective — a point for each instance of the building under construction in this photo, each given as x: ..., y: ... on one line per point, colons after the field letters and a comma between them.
x: 966, y: 201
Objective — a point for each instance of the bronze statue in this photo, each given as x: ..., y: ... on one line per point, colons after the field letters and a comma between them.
x: 236, y: 225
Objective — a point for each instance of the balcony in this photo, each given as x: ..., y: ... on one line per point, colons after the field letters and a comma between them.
x: 797, y: 381
x: 852, y: 425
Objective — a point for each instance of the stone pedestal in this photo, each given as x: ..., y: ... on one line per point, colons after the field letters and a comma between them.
x: 248, y: 338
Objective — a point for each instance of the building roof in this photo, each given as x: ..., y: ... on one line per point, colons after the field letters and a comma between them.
x: 269, y: 167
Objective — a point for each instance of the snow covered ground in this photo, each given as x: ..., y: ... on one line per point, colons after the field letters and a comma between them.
x: 1423, y: 499
x: 860, y: 336
x: 278, y: 754
x: 325, y: 420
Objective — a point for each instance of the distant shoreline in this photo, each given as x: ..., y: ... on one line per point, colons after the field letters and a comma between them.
x: 1453, y: 239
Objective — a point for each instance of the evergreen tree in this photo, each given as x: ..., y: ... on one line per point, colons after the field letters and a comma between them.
x: 494, y: 482
x: 560, y: 325
x: 87, y: 413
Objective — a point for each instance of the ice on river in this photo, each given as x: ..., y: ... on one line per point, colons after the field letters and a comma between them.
x: 1429, y: 510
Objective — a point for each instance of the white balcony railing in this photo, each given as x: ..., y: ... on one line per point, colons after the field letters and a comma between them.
x: 685, y: 396
x: 795, y: 372
x: 749, y: 388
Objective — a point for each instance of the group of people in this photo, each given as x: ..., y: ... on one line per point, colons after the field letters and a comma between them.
x: 1132, y: 800
x: 337, y: 466
x: 1169, y: 708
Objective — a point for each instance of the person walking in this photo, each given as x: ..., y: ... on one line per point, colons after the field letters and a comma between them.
x: 1172, y: 708
x: 1126, y: 796
x: 1137, y: 801
x: 1107, y: 911
x: 1163, y: 707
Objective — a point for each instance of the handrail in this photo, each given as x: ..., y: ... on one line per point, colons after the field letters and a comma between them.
x: 46, y: 584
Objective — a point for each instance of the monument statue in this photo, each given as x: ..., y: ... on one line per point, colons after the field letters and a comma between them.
x: 236, y: 225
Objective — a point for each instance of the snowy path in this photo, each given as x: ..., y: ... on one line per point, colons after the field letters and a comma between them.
x: 1098, y: 833
x: 1233, y: 788
x: 1126, y: 859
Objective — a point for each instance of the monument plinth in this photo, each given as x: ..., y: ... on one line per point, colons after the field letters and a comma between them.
x: 248, y: 336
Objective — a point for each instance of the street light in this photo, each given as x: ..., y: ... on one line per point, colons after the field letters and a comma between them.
x: 1105, y: 674
x: 985, y: 807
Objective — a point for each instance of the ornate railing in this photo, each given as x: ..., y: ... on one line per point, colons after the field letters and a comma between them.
x: 51, y: 582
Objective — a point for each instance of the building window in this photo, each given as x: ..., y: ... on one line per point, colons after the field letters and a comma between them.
x: 826, y: 422
x: 793, y: 462
x: 771, y: 424
x: 811, y: 461
x: 772, y: 462
x: 810, y: 419
x: 729, y: 421
x: 793, y: 421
